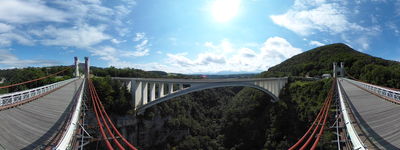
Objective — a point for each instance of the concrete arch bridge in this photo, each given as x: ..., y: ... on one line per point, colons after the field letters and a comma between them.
x: 147, y: 92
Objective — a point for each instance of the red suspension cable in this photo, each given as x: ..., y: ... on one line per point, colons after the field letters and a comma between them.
x: 322, y: 116
x: 98, y: 119
x: 321, y: 131
x: 322, y: 127
x: 97, y: 101
x: 309, y: 129
x: 112, y: 124
x: 317, y: 126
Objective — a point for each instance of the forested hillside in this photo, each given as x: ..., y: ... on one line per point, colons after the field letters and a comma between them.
x: 319, y: 60
x: 135, y: 73
x: 12, y: 76
x: 123, y: 72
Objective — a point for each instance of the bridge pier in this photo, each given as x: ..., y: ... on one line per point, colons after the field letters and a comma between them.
x: 136, y: 91
x: 274, y: 86
x: 145, y: 95
x: 281, y: 85
x: 170, y: 88
x: 152, y: 91
x: 265, y: 84
x: 160, y: 90
x: 127, y: 84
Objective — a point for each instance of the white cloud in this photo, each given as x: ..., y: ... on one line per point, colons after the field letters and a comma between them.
x: 142, y: 45
x: 173, y: 41
x: 143, y: 48
x: 130, y: 2
x: 115, y: 41
x: 139, y: 36
x: 71, y: 21
x: 180, y: 59
x: 224, y: 47
x: 83, y: 24
x: 7, y: 38
x: 360, y: 43
x: 79, y: 11
x: 363, y: 42
x: 392, y: 26
x: 247, y: 53
x: 144, y: 52
x: 307, y: 17
x: 8, y: 34
x: 237, y: 59
x: 81, y: 37
x: 112, y: 55
x: 397, y: 6
x: 316, y: 43
x: 122, y: 31
x: 306, y: 4
x: 5, y: 27
x: 9, y: 60
x: 122, y: 10
x: 105, y: 53
x: 135, y: 53
x: 21, y: 11
x: 279, y: 46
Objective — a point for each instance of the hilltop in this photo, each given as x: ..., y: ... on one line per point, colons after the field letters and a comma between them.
x: 318, y: 61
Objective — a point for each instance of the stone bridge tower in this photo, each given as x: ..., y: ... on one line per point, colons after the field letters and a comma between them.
x: 338, y: 69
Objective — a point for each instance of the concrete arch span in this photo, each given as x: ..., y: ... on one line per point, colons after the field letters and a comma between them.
x: 196, y: 88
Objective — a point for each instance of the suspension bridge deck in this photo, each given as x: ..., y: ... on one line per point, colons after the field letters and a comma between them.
x: 378, y: 117
x: 31, y: 125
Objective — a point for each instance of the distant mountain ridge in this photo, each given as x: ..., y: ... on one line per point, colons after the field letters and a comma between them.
x: 318, y: 61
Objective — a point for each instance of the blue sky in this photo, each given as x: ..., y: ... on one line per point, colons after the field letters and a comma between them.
x: 191, y: 36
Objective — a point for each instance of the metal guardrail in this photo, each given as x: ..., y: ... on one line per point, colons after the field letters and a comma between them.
x: 20, y: 96
x: 69, y: 134
x: 355, y: 139
x: 381, y: 91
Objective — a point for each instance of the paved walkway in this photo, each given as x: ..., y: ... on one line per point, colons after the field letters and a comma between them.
x: 30, y: 125
x: 378, y: 117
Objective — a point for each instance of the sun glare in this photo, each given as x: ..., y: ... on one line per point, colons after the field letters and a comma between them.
x: 225, y: 10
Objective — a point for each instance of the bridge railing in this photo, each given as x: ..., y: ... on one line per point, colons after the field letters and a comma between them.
x: 381, y: 91
x: 68, y: 133
x: 21, y: 96
x: 351, y: 132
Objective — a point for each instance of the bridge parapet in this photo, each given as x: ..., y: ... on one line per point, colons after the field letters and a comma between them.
x: 9, y: 99
x: 386, y: 93
x: 351, y: 131
x: 147, y: 92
